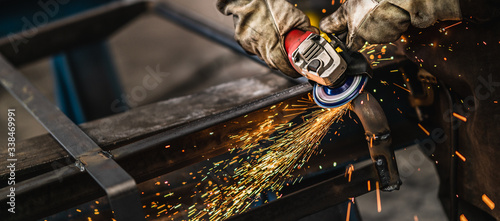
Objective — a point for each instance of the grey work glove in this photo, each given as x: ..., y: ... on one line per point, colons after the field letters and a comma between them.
x: 383, y: 21
x: 261, y: 26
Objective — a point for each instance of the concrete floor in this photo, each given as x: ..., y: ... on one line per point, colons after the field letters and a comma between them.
x: 194, y: 64
x: 417, y: 198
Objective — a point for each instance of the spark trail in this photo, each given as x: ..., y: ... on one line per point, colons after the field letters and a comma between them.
x: 271, y: 167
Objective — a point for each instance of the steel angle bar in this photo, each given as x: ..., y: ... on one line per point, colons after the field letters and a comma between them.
x: 315, y: 198
x: 197, y: 125
x: 119, y: 186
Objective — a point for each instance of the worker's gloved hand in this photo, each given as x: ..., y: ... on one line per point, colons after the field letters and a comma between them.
x: 261, y: 26
x: 383, y: 21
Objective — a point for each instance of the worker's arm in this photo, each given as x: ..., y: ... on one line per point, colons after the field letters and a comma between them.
x: 383, y: 21
x: 260, y: 27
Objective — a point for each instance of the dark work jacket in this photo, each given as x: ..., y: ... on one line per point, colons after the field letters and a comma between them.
x: 464, y: 57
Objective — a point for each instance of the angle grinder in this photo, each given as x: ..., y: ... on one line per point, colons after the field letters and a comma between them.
x: 338, y: 75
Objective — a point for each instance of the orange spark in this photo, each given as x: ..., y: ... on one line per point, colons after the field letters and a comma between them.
x: 460, y: 117
x: 488, y: 202
x: 425, y: 131
x: 460, y: 22
x: 348, y: 211
x: 349, y: 171
x: 369, y: 186
x: 460, y: 155
x: 462, y: 218
x: 402, y: 87
x: 379, y: 204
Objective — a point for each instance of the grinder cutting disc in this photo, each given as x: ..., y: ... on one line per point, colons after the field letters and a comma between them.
x: 329, y: 97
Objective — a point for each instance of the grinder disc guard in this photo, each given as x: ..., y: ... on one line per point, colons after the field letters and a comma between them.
x: 329, y: 97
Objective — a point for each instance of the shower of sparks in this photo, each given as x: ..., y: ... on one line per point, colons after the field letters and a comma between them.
x: 488, y: 202
x: 266, y: 157
x: 271, y: 166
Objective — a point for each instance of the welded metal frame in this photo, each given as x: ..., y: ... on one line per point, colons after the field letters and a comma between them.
x: 121, y: 189
x: 116, y: 182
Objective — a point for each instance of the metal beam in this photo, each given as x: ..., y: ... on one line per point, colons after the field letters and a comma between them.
x: 315, y: 198
x: 212, y: 120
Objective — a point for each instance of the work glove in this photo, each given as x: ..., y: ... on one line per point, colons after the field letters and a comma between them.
x: 383, y: 21
x: 261, y: 26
